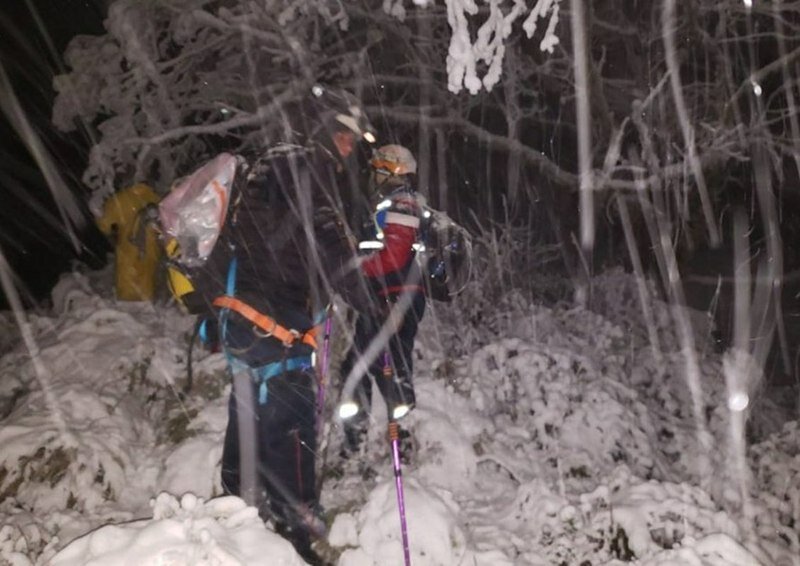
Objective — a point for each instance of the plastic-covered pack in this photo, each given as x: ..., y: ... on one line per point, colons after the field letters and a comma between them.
x: 194, y: 211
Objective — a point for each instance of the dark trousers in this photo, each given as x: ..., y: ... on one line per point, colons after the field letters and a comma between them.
x: 284, y: 445
x: 397, y: 387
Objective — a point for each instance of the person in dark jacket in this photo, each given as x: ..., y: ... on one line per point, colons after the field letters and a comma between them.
x: 283, y: 252
x: 383, y: 342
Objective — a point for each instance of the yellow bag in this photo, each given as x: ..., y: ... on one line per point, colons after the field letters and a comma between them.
x: 136, y: 264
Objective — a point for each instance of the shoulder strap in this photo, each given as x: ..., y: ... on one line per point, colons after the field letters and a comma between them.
x: 269, y: 325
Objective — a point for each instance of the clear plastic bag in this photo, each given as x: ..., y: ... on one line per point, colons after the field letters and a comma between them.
x: 194, y: 212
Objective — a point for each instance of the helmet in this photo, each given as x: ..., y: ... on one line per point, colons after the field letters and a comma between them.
x: 393, y: 160
x: 338, y: 110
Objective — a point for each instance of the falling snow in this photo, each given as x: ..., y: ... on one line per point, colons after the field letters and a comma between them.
x: 583, y: 432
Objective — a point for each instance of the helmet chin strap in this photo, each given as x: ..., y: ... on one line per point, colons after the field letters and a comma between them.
x: 380, y: 186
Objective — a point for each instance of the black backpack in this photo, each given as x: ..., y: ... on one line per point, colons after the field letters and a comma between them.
x: 444, y: 251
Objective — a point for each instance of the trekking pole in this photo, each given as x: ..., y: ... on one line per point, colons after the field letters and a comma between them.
x: 387, y: 365
x: 323, y: 363
x: 394, y: 437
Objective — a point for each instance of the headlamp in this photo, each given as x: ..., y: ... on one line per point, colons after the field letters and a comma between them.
x: 400, y: 411
x: 348, y: 410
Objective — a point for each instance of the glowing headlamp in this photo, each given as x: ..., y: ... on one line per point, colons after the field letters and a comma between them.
x: 400, y: 411
x: 348, y: 410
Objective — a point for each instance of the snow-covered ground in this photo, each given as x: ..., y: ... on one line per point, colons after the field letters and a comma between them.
x: 543, y: 436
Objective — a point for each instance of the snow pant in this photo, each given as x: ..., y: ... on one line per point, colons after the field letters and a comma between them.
x: 283, y: 443
x: 397, y: 386
x: 270, y: 443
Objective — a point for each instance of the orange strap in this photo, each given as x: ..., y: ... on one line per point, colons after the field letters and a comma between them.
x: 267, y: 323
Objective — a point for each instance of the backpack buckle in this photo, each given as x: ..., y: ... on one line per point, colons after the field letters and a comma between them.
x: 261, y: 333
x: 294, y: 335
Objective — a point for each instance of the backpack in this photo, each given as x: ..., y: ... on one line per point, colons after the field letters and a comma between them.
x: 444, y: 250
x: 191, y: 218
x: 194, y: 211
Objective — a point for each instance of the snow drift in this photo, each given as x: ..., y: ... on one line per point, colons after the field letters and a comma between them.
x: 546, y: 435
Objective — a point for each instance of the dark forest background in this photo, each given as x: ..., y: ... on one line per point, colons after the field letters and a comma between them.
x: 185, y: 80
x: 33, y: 35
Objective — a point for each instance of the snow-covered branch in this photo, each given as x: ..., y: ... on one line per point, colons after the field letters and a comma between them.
x: 495, y: 141
x: 470, y: 52
x: 171, y: 84
x: 259, y: 116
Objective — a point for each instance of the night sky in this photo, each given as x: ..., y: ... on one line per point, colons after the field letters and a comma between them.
x: 33, y: 35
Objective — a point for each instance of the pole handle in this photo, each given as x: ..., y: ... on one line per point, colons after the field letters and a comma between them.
x: 394, y: 431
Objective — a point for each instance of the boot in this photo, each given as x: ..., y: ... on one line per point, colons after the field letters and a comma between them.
x: 354, y: 435
x: 405, y: 445
x: 301, y: 541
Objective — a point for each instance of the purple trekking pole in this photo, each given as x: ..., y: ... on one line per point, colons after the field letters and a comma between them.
x: 323, y: 365
x: 394, y: 436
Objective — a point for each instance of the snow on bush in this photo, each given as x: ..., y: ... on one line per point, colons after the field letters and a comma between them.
x: 579, y: 411
x: 559, y: 403
x: 190, y: 532
x: 375, y: 533
x: 552, y: 435
x: 92, y: 434
x: 776, y: 471
x: 573, y: 442
x: 625, y: 519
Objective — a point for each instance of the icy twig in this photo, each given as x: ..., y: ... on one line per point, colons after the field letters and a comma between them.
x: 687, y: 130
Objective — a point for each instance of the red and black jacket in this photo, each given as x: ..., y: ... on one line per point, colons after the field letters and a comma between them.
x: 394, y: 269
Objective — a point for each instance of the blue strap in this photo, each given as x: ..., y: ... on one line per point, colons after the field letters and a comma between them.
x: 320, y: 317
x: 203, y: 331
x: 266, y: 372
x: 230, y: 286
x: 380, y: 218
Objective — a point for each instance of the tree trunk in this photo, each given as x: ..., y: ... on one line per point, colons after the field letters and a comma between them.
x: 424, y: 145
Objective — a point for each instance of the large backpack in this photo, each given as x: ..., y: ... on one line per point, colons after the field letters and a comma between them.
x: 444, y: 251
x: 192, y: 217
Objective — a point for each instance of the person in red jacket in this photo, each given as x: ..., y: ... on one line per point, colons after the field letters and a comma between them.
x: 383, y: 340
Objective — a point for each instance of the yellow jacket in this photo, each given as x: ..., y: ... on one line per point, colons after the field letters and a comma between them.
x: 137, y: 253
